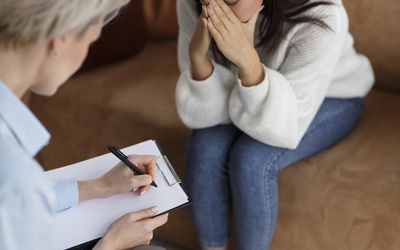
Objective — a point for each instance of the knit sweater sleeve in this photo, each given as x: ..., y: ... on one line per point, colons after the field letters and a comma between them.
x: 200, y: 104
x: 280, y: 109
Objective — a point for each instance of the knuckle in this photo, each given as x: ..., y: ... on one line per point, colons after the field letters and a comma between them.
x: 148, y: 178
x: 148, y: 228
x: 130, y: 217
x: 149, y: 212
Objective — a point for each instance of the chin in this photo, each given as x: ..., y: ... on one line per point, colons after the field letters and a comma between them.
x: 44, y: 91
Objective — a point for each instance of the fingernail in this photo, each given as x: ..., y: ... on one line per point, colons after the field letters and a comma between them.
x: 154, y: 209
x: 142, y: 193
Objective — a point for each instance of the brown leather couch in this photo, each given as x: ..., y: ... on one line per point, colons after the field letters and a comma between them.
x: 345, y: 198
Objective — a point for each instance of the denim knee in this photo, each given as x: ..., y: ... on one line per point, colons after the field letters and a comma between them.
x: 249, y: 158
x: 253, y: 175
x: 210, y: 146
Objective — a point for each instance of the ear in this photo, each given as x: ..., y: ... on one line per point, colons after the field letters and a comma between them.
x: 56, y: 46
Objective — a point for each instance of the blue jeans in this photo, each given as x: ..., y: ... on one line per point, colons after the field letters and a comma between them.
x: 228, y: 172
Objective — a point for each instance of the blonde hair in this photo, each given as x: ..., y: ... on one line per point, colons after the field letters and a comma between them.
x: 24, y: 22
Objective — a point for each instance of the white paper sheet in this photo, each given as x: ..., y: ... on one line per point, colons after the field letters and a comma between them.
x: 90, y: 219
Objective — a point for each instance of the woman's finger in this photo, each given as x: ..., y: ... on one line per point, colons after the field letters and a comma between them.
x: 214, y: 32
x: 227, y: 10
x: 204, y: 12
x: 221, y: 15
x: 141, y: 159
x: 205, y: 23
x: 143, y: 190
x: 218, y: 25
x: 151, y: 169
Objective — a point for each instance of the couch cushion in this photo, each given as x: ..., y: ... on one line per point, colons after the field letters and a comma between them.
x: 347, y: 197
x: 376, y: 28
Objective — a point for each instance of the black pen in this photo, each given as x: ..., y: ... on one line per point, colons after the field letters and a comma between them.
x: 118, y: 153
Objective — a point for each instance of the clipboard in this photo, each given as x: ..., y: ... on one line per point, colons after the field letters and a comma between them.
x: 169, y: 196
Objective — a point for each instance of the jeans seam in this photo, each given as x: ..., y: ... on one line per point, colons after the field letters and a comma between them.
x: 268, y: 191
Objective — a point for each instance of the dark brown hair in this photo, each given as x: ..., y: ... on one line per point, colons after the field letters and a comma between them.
x: 274, y: 15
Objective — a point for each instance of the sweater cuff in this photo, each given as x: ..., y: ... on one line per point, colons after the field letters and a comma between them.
x: 214, y: 82
x: 253, y: 96
x: 67, y: 195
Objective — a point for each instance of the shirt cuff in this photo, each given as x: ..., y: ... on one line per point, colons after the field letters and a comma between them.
x: 67, y: 194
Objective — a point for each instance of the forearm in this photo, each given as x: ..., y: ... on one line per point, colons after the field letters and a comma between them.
x: 201, y: 67
x: 251, y: 72
x: 91, y: 189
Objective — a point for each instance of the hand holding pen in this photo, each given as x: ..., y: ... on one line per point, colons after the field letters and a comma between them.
x: 142, y: 166
x: 119, y: 179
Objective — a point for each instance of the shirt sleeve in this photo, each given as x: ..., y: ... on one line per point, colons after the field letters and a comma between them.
x: 200, y: 104
x: 279, y: 110
x: 67, y: 194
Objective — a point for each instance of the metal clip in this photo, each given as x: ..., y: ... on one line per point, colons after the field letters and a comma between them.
x: 168, y: 171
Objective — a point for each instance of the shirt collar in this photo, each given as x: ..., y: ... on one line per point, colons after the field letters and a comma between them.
x: 26, y: 128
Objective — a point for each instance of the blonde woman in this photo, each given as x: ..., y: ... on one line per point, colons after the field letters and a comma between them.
x: 42, y: 43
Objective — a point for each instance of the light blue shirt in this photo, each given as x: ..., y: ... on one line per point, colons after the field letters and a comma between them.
x: 28, y: 200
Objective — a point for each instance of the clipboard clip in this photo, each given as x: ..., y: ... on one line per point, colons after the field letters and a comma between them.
x: 168, y: 171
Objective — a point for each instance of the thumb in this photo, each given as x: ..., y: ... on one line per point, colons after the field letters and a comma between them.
x: 143, y: 214
x: 141, y: 180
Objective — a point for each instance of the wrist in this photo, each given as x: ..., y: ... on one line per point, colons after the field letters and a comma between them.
x: 105, y: 243
x: 101, y: 188
x: 251, y: 72
x: 201, y: 67
x: 92, y: 189
x: 198, y: 58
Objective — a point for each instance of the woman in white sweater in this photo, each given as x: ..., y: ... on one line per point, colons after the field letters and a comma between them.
x: 263, y: 84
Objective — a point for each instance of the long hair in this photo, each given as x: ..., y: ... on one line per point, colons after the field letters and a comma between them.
x: 275, y: 14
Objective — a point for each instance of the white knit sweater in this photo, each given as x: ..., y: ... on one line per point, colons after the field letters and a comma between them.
x: 322, y: 63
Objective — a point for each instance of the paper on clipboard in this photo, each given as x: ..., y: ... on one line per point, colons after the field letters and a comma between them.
x: 90, y: 219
